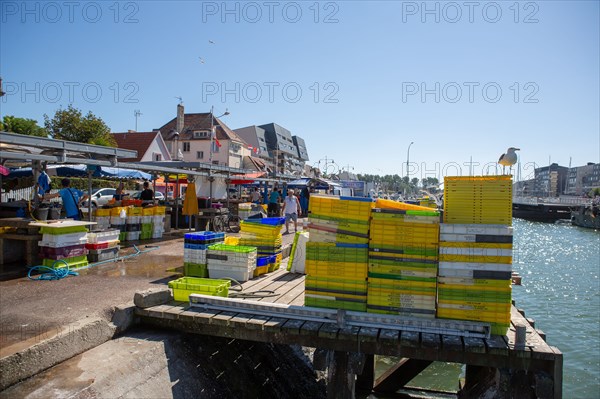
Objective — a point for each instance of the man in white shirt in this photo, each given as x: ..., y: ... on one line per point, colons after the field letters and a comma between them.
x: 255, y: 196
x: 291, y: 210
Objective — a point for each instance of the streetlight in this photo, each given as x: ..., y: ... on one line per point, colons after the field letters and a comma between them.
x: 407, y: 162
x: 213, y: 134
x: 407, y: 159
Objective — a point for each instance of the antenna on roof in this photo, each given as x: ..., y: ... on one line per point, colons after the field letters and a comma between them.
x: 180, y: 99
x: 136, y: 114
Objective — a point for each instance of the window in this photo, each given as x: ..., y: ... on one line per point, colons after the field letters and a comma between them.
x: 215, y: 162
x: 199, y: 154
x: 201, y: 134
x: 186, y: 146
x: 156, y: 156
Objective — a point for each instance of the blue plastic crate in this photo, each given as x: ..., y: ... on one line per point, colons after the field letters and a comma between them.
x: 196, y: 246
x: 262, y: 261
x: 270, y: 221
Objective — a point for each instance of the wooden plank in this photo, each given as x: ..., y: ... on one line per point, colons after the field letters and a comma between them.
x: 329, y: 330
x: 290, y: 291
x: 275, y: 324
x: 171, y: 312
x: 410, y: 339
x: 496, y: 345
x: 257, y: 322
x: 310, y: 328
x: 340, y: 380
x: 368, y: 334
x: 389, y: 337
x: 349, y: 334
x: 557, y: 374
x: 400, y: 374
x: 292, y: 326
x: 474, y: 345
x: 431, y: 341
x: 222, y: 319
x: 366, y: 379
x: 452, y: 343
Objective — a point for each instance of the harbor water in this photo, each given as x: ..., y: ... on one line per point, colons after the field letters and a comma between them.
x: 560, y: 266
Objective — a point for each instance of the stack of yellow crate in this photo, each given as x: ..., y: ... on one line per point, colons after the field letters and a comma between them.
x: 265, y: 235
x: 403, y: 261
x: 474, y: 278
x: 337, y: 252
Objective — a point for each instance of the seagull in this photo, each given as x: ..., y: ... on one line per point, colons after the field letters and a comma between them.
x: 201, y: 60
x: 211, y: 42
x: 508, y: 159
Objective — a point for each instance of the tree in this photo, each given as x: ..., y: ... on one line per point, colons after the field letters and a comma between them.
x: 69, y: 124
x: 22, y: 126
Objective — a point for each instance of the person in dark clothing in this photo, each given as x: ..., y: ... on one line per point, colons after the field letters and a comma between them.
x: 147, y: 194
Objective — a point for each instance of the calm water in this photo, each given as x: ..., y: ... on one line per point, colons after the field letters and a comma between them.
x: 560, y: 266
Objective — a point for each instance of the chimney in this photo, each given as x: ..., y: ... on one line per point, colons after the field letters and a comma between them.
x: 180, y: 116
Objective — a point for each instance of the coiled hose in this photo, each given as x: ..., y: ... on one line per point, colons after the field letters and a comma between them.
x: 53, y: 273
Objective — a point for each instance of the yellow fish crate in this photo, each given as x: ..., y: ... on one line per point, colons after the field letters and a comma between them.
x: 478, y: 199
x: 382, y: 271
x: 341, y: 288
x: 336, y: 207
x: 340, y: 270
x: 474, y: 315
x: 317, y: 235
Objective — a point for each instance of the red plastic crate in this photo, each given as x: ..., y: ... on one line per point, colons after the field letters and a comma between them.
x: 63, y: 252
x: 102, y: 245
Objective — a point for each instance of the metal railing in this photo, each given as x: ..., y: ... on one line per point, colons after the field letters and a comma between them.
x: 574, y: 201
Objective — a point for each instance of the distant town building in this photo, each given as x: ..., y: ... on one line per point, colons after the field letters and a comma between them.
x: 200, y: 137
x: 259, y: 158
x: 150, y: 146
x: 550, y: 181
x: 285, y: 154
x: 582, y: 179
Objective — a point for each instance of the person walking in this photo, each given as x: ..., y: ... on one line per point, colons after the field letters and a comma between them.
x: 291, y: 210
x: 255, y: 198
x: 71, y: 198
x: 273, y: 206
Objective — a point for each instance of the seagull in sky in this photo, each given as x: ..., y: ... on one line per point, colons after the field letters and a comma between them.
x: 201, y: 60
x: 211, y: 42
x: 508, y: 159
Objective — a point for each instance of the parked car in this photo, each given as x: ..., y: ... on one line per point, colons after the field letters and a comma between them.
x: 100, y: 197
x: 157, y: 195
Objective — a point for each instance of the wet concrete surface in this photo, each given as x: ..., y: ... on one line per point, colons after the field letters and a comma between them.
x: 166, y: 364
x: 32, y: 311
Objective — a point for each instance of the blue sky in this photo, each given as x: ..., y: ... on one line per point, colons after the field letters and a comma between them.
x: 357, y: 80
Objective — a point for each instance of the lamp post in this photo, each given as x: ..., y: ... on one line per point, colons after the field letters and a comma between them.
x: 213, y: 134
x: 407, y: 162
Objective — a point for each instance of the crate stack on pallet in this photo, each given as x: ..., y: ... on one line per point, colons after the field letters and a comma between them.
x: 103, y: 246
x: 474, y: 277
x: 133, y: 223
x: 118, y: 221
x: 265, y: 235
x: 403, y: 261
x: 231, y: 261
x: 337, y: 252
x: 195, y: 249
x: 102, y: 219
x: 63, y: 246
x: 158, y: 221
x: 147, y: 219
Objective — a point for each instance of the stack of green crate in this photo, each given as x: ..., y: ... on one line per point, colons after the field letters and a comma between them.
x: 403, y: 262
x: 63, y: 245
x: 337, y: 252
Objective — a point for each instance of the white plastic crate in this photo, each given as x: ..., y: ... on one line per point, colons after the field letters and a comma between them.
x: 65, y: 238
x: 117, y: 220
x: 157, y: 235
x: 240, y: 274
x: 134, y: 219
x: 60, y: 244
x: 147, y: 219
x: 158, y: 219
x: 133, y: 235
x: 103, y: 236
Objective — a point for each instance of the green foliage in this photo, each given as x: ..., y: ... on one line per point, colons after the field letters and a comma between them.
x: 22, y: 126
x: 392, y: 183
x: 594, y: 192
x: 70, y: 124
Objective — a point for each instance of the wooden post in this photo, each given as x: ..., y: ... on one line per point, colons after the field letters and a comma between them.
x: 366, y: 379
x: 340, y: 379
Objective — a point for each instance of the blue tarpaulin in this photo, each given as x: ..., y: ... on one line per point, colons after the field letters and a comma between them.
x: 82, y: 171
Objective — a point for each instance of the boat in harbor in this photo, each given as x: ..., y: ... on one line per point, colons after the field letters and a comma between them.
x: 586, y: 216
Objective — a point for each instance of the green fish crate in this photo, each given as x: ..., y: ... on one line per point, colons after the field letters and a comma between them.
x: 185, y: 286
x: 195, y: 270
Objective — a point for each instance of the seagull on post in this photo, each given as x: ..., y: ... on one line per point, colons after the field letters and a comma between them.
x: 508, y: 159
